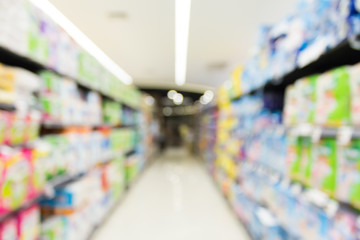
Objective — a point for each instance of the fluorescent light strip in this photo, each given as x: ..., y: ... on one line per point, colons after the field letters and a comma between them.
x: 182, y: 23
x: 82, y: 39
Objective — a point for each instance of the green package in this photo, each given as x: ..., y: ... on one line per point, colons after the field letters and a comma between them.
x: 333, y: 98
x: 306, y: 160
x: 51, y: 81
x: 325, y: 166
x: 306, y: 99
x: 293, y: 157
x: 348, y: 178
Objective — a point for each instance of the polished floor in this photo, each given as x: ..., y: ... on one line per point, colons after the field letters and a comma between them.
x: 174, y: 199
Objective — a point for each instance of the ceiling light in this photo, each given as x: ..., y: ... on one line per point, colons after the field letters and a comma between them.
x: 209, y: 95
x: 178, y: 99
x: 171, y: 94
x: 182, y: 23
x: 82, y: 39
x: 167, y: 111
x: 149, y: 100
x: 203, y: 100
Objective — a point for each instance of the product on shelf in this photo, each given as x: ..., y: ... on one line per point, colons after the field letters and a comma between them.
x: 63, y: 103
x: 348, y: 181
x: 354, y: 73
x: 333, y: 98
x: 325, y: 166
x: 72, y: 213
x: 29, y: 223
x: 8, y: 229
x: 15, y: 178
x: 300, y: 39
x: 112, y: 112
x: 29, y: 32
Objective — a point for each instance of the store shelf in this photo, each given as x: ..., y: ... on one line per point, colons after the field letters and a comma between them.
x: 345, y: 53
x: 10, y: 58
x: 303, y: 187
x: 56, y: 182
x: 7, y: 107
x: 307, y: 130
x: 130, y: 152
x: 55, y: 125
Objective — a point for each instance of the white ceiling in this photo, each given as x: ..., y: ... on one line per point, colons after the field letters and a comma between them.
x: 221, y: 32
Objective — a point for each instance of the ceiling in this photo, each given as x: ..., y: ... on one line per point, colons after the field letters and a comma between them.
x: 139, y: 36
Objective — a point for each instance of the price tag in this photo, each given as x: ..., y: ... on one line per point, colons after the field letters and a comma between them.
x: 49, y: 191
x: 316, y: 134
x: 332, y: 208
x: 296, y: 189
x: 306, y: 130
x: 358, y: 222
x: 285, y: 183
x: 275, y: 178
x: 344, y: 135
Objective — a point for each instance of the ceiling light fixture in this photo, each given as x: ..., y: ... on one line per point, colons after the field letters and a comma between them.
x: 182, y: 24
x: 207, y: 97
x: 171, y: 94
x: 167, y: 111
x: 149, y: 100
x: 82, y: 39
x: 178, y: 99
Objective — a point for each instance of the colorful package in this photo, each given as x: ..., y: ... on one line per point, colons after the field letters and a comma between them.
x: 54, y: 228
x: 38, y: 171
x: 29, y: 223
x: 5, y: 121
x: 354, y: 73
x: 348, y: 177
x: 306, y: 99
x: 15, y: 179
x: 333, y: 98
x: 8, y: 230
x: 325, y: 166
x: 293, y: 159
x: 17, y: 130
x: 306, y: 160
x: 344, y: 225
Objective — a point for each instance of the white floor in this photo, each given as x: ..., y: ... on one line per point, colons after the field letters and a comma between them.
x: 174, y: 199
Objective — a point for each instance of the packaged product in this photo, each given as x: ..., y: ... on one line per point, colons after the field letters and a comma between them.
x: 15, y: 179
x: 33, y: 120
x: 348, y: 176
x: 306, y: 160
x: 344, y: 226
x: 324, y: 170
x: 7, y: 85
x: 306, y: 99
x: 5, y: 122
x: 70, y: 198
x: 8, y: 230
x: 54, y: 148
x: 354, y: 73
x: 37, y: 161
x: 293, y: 159
x: 52, y: 107
x: 333, y: 98
x: 51, y: 82
x: 29, y: 223
x: 18, y: 129
x: 54, y: 228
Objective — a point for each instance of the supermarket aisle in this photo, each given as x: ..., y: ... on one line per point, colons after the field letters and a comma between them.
x: 175, y: 199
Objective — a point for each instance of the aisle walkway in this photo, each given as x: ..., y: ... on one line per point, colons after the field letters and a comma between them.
x: 175, y: 199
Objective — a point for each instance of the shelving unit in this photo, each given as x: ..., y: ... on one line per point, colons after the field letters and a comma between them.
x: 345, y: 53
x: 253, y: 159
x: 110, y: 171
